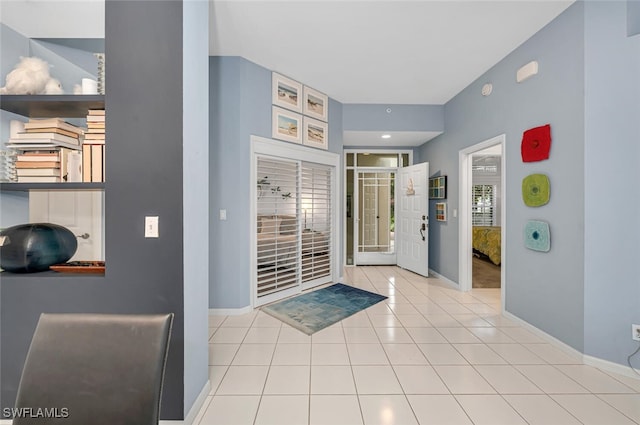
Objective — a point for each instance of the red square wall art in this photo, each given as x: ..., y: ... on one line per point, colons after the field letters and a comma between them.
x: 536, y: 144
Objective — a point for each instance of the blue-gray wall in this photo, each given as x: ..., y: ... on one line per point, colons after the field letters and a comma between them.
x: 633, y: 17
x: 545, y: 289
x: 612, y: 153
x: 240, y: 106
x: 195, y: 208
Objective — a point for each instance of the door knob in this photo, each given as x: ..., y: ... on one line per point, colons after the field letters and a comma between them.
x: 83, y: 236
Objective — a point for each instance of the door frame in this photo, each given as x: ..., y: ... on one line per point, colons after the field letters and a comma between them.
x: 354, y: 167
x: 289, y: 151
x: 372, y: 258
x: 465, y: 249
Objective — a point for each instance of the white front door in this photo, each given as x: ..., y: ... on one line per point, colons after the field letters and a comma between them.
x: 413, y: 219
x: 79, y: 211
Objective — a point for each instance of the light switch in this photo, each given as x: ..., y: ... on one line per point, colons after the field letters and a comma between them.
x: 455, y: 213
x: 223, y: 214
x: 151, y: 227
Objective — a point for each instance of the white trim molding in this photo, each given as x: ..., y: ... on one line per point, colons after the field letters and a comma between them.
x: 230, y: 311
x: 445, y: 279
x: 197, y: 405
x: 612, y: 367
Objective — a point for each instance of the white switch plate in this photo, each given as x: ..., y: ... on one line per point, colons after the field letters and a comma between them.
x: 223, y: 214
x: 455, y: 213
x: 151, y: 227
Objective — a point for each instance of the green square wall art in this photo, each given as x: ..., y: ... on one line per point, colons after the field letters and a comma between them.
x: 535, y: 190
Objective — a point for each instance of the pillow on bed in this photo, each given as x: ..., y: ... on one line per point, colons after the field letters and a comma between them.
x: 270, y: 225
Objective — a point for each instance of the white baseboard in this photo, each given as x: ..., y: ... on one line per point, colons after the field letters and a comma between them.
x: 542, y: 334
x: 444, y: 279
x: 230, y: 311
x: 616, y: 368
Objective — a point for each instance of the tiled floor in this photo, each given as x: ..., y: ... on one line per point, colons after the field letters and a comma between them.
x: 427, y: 355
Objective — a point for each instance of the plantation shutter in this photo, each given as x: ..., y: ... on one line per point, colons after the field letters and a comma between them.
x: 483, y: 206
x: 315, y: 206
x: 278, y: 225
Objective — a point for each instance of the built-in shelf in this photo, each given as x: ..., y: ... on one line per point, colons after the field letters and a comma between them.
x: 51, y: 105
x: 45, y: 275
x: 25, y: 187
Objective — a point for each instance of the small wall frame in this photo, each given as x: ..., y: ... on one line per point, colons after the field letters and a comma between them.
x: 438, y: 187
x: 441, y: 211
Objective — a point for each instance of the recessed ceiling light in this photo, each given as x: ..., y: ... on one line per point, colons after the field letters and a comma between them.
x: 386, y: 136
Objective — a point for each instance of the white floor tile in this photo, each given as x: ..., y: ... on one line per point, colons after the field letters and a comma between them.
x: 283, y: 410
x: 404, y: 354
x: 551, y: 354
x: 471, y: 321
x: 489, y: 410
x: 329, y: 354
x: 384, y: 321
x: 286, y: 380
x: 426, y: 335
x: 292, y: 354
x: 289, y: 335
x: 222, y: 354
x: 516, y: 354
x: 360, y: 335
x: 443, y: 321
x: 262, y: 335
x: 254, y: 354
x: 590, y: 410
x: 463, y: 380
x: 332, y: 380
x: 442, y: 354
x: 593, y: 379
x: 449, y: 356
x: 216, y: 373
x: 413, y: 320
x: 335, y: 410
x: 358, y: 320
x: 479, y: 354
x: 491, y: 335
x: 263, y: 320
x: 243, y: 380
x: 629, y: 404
x: 231, y: 410
x: 459, y: 335
x: 420, y: 380
x: 522, y: 335
x: 367, y: 354
x: 386, y: 410
x: 241, y: 321
x: 507, y: 380
x: 393, y: 335
x: 550, y: 379
x: 330, y: 335
x: 376, y: 380
x: 216, y: 321
x: 229, y: 335
x: 540, y: 410
x: 438, y: 410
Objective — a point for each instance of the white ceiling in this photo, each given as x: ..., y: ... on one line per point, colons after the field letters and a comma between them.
x: 379, y: 52
x: 356, y: 51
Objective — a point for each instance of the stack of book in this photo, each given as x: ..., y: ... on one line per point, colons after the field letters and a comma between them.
x: 93, y: 147
x: 42, y: 149
x: 46, y: 133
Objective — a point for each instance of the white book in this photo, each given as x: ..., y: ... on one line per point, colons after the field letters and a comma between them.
x: 74, y: 166
x: 38, y: 172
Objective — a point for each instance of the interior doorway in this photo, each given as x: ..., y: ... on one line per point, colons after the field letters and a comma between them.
x: 370, y: 210
x: 494, y: 213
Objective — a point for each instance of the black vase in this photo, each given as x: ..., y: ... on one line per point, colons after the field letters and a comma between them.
x: 29, y: 248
